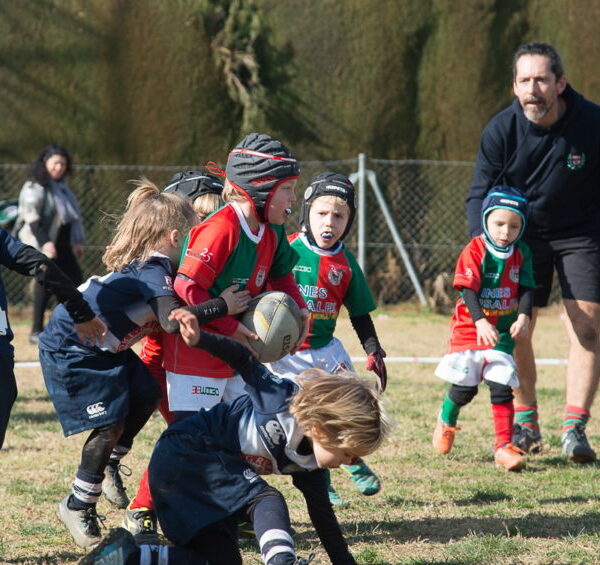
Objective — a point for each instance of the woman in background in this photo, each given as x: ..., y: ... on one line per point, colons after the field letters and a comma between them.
x: 49, y: 220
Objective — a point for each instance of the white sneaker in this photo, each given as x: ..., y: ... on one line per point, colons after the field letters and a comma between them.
x: 83, y: 525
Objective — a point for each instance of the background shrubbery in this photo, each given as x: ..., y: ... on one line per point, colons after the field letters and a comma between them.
x: 179, y: 81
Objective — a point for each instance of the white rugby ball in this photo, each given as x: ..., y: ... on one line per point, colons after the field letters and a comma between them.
x: 275, y: 318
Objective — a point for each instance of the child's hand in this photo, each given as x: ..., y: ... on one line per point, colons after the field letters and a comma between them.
x: 520, y: 328
x: 49, y: 249
x: 375, y: 363
x: 304, y: 333
x: 236, y: 301
x: 486, y: 333
x: 188, y: 325
x: 91, y: 332
x: 245, y: 337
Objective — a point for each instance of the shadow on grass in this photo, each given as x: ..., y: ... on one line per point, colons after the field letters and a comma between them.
x: 568, y: 499
x: 444, y: 530
x: 561, y: 461
x: 57, y: 559
x: 481, y: 497
x: 399, y: 501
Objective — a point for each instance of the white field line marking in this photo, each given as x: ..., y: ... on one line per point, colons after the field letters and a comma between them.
x: 541, y: 361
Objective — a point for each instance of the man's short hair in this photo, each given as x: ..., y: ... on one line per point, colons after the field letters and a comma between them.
x: 544, y: 49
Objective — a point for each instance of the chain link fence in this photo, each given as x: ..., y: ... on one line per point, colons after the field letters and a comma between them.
x: 425, y: 200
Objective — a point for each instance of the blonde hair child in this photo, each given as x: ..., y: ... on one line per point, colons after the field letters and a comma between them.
x: 279, y: 426
x: 107, y: 389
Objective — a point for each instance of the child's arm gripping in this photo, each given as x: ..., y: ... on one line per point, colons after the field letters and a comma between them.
x: 236, y: 355
x: 313, y: 486
x: 229, y: 302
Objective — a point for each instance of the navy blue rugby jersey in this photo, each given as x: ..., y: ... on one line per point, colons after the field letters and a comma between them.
x: 9, y: 248
x: 121, y: 300
x: 258, y: 425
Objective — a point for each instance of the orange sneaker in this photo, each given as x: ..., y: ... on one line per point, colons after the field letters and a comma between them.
x: 443, y: 437
x: 510, y: 457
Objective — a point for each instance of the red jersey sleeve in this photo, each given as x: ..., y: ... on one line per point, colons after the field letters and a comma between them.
x: 210, y: 245
x: 468, y: 266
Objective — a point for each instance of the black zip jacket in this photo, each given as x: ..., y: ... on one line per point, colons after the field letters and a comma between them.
x: 557, y: 168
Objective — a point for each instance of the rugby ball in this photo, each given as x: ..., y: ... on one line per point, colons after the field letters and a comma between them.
x: 275, y: 318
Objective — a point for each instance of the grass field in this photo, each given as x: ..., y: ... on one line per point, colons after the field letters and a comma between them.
x: 432, y: 509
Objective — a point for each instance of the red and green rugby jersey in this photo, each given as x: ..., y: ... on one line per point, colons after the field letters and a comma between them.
x: 222, y: 251
x: 496, y: 279
x: 328, y: 278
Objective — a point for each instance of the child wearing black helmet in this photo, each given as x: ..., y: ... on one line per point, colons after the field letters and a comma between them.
x: 494, y: 275
x: 243, y: 243
x: 329, y: 276
x: 203, y: 189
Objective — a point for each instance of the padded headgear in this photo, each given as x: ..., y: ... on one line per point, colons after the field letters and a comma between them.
x: 257, y: 166
x: 508, y: 198
x: 327, y: 184
x: 192, y: 184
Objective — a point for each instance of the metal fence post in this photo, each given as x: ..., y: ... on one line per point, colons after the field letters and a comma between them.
x: 362, y: 211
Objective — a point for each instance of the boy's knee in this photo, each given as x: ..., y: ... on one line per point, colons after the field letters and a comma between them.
x: 462, y: 395
x: 500, y: 394
x: 109, y: 434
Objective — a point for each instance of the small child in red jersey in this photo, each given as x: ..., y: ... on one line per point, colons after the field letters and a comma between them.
x: 494, y: 275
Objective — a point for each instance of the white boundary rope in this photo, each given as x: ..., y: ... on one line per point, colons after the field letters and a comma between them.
x: 429, y: 360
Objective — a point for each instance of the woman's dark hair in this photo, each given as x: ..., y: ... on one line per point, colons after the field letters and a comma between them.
x: 38, y: 172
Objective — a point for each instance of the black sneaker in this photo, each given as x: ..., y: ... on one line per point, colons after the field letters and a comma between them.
x: 83, y: 525
x: 575, y: 445
x: 112, y: 485
x: 527, y: 439
x: 114, y: 549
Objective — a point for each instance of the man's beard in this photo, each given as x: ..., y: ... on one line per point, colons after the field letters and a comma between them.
x: 535, y: 113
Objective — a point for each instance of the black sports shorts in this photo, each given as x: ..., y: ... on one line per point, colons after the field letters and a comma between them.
x: 577, y: 263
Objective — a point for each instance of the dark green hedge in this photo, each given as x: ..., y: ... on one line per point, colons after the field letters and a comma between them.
x: 179, y: 81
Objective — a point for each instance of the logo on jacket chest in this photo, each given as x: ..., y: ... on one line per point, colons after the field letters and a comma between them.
x: 261, y: 275
x: 575, y: 161
x: 335, y: 274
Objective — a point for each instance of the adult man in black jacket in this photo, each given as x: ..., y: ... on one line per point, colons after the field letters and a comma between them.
x: 547, y: 143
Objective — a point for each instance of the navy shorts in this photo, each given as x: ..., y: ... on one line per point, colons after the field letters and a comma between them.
x: 195, y: 484
x: 577, y: 263
x: 90, y: 390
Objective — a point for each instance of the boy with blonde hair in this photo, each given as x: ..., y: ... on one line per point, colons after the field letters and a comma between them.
x: 204, y: 472
x: 328, y: 277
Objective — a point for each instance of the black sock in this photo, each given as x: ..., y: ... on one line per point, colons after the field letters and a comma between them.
x: 73, y: 503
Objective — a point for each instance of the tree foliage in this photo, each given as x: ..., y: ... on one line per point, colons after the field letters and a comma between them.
x: 179, y: 81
